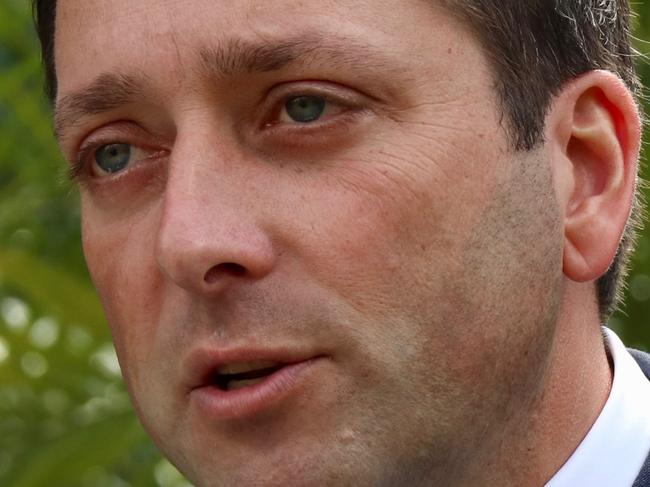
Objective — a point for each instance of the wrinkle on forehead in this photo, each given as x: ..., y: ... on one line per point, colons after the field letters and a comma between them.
x: 229, y: 58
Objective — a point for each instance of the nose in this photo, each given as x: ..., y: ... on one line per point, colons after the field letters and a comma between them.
x: 210, y: 235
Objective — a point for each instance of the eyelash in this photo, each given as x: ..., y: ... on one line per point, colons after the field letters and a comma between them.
x: 333, y: 96
x: 80, y: 169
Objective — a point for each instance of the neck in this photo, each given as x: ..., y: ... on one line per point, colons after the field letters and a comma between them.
x: 576, y: 387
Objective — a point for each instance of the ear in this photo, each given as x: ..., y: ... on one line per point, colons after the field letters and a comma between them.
x: 593, y: 133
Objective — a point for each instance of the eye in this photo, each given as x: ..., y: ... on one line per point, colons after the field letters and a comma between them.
x: 303, y: 109
x: 112, y: 158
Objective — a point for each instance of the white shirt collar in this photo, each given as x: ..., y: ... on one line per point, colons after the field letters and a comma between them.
x: 615, y: 449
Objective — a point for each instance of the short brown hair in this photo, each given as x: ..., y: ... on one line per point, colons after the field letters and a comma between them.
x: 535, y: 47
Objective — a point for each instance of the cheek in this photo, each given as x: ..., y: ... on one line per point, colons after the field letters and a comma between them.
x: 393, y: 231
x: 121, y: 263
x: 389, y: 226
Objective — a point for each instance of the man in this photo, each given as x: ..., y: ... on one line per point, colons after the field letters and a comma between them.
x: 362, y: 243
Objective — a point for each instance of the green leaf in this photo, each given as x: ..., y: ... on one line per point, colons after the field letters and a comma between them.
x: 64, y: 296
x: 61, y: 462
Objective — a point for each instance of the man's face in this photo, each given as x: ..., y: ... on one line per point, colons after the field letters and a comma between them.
x: 321, y: 193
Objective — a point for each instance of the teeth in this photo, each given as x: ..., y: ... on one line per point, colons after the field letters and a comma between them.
x: 240, y: 384
x: 239, y: 368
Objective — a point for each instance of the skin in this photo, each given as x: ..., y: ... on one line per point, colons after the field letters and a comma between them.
x: 446, y: 279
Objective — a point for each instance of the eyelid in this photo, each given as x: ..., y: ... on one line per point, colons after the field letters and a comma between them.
x: 84, y: 169
x: 81, y: 168
x: 333, y: 93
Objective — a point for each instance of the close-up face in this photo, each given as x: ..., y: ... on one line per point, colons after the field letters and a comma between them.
x: 309, y: 232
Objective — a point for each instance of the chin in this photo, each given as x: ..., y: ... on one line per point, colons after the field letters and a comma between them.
x: 288, y: 468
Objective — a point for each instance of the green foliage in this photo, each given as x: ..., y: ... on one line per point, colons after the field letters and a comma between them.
x: 65, y: 418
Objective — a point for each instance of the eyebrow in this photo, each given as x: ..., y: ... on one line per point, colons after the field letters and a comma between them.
x: 237, y: 56
x: 107, y: 92
x: 112, y: 90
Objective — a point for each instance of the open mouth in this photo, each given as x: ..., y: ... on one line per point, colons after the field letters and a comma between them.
x: 240, y: 375
x: 232, y: 386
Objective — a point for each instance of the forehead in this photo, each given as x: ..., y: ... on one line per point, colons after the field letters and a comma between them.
x: 166, y: 37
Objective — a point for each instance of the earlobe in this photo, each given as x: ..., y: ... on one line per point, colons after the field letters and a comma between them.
x: 596, y: 141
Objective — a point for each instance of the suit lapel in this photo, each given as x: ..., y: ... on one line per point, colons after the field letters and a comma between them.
x: 643, y: 359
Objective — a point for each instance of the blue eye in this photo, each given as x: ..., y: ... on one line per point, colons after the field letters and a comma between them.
x: 305, y: 109
x: 112, y: 158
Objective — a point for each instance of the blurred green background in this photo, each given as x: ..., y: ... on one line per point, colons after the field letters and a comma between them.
x: 65, y: 419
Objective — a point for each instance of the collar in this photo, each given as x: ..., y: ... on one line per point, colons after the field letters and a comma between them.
x: 616, y: 447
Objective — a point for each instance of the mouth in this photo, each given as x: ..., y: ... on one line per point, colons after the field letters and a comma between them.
x: 240, y: 385
x: 239, y: 376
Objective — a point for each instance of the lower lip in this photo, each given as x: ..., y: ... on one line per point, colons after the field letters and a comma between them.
x: 241, y: 403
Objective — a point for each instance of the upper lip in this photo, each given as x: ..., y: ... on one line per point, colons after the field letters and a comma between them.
x: 201, y: 366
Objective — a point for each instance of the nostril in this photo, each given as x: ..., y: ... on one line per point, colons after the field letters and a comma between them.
x: 225, y: 269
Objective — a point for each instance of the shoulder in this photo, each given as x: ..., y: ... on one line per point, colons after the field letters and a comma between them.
x: 643, y: 359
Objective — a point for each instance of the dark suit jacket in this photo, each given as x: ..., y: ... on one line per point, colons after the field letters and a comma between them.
x: 643, y: 359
